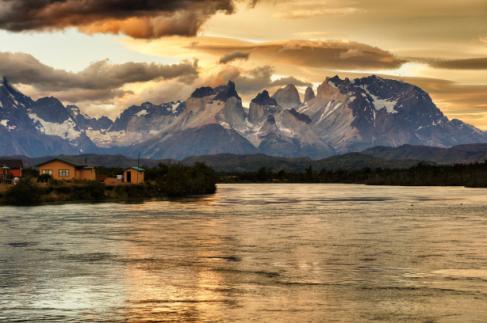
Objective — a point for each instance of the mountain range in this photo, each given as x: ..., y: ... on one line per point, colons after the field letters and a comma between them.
x: 341, y: 116
x: 401, y: 157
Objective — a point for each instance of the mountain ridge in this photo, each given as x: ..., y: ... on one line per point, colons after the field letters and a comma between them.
x: 341, y: 116
x: 376, y: 157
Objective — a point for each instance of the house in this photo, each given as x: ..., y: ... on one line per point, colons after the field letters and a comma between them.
x: 64, y: 170
x: 11, y: 168
x: 134, y: 175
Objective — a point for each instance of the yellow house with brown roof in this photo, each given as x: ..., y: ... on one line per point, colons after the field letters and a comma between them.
x: 63, y: 170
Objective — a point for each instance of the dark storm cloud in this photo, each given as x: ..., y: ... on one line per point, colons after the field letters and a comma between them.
x: 233, y: 56
x: 101, y: 78
x: 139, y: 19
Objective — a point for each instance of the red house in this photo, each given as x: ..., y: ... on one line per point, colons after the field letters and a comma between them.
x: 10, y: 168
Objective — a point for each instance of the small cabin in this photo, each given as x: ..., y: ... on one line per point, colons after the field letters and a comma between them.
x: 63, y: 170
x: 134, y: 175
x: 10, y: 169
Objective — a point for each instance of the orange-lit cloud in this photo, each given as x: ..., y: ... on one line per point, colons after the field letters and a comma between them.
x: 439, y: 45
x: 328, y: 54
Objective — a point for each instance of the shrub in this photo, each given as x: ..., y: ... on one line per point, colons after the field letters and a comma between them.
x: 130, y: 192
x: 184, y: 180
x: 23, y: 194
x: 44, y: 178
x: 91, y: 191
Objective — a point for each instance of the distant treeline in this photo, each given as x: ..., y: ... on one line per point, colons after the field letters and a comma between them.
x: 471, y: 175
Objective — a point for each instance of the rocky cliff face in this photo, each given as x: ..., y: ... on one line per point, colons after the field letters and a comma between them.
x: 342, y: 116
x: 288, y: 97
x: 309, y: 94
x: 373, y: 111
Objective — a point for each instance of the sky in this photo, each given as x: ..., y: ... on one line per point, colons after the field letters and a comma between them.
x: 105, y: 55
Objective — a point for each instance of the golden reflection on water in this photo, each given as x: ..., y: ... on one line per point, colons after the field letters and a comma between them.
x: 252, y: 253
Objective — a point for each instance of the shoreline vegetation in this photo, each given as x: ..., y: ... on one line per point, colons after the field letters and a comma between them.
x: 177, y: 180
x: 163, y: 181
x: 423, y: 174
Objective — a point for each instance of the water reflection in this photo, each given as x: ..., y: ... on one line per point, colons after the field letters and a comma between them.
x: 251, y: 252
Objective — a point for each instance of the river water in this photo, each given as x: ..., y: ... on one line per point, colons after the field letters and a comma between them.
x: 285, y: 253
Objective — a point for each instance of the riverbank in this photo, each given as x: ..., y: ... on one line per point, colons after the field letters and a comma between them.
x: 162, y: 182
x: 29, y: 194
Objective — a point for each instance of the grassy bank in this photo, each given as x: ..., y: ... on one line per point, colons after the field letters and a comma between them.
x: 161, y: 182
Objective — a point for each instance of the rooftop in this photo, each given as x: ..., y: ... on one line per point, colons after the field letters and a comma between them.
x: 64, y: 160
x: 11, y: 163
x: 139, y: 169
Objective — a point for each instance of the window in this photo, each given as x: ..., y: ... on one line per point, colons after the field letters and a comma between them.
x: 63, y: 173
x: 46, y: 172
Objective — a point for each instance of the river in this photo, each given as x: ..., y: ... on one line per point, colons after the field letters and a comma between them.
x: 268, y: 252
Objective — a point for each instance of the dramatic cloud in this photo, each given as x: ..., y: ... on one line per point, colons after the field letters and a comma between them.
x: 97, y: 81
x: 461, y: 101
x: 138, y: 19
x: 321, y: 54
x: 250, y: 82
x: 461, y: 64
x: 233, y: 57
x: 290, y: 80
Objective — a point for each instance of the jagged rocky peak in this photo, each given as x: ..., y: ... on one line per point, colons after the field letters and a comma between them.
x: 11, y: 97
x: 49, y: 101
x: 337, y: 81
x: 309, y: 94
x: 5, y: 82
x: 330, y: 87
x: 50, y: 109
x: 224, y: 92
x: 261, y: 106
x: 7, y: 85
x: 221, y: 93
x: 386, y: 88
x: 263, y: 98
x: 203, y: 92
x: 288, y: 97
x: 73, y: 109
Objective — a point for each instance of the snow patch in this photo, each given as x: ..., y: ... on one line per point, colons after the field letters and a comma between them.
x: 330, y: 108
x: 5, y: 123
x: 107, y: 139
x: 65, y: 130
x: 379, y: 104
x: 174, y: 106
x: 288, y: 131
x: 142, y: 113
x: 225, y: 125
